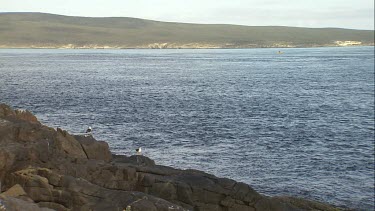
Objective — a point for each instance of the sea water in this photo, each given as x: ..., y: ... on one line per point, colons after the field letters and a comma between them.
x: 298, y: 123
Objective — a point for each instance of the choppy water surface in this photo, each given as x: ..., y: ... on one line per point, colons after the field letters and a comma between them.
x: 299, y: 123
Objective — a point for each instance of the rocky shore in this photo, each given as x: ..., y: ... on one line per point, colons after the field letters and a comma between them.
x: 46, y: 169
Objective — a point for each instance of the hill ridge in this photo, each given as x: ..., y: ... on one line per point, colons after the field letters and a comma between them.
x: 44, y: 30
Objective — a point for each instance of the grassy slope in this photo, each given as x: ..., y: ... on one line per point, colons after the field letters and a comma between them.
x: 26, y: 29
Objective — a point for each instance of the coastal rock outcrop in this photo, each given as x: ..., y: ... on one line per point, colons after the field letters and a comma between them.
x: 46, y: 169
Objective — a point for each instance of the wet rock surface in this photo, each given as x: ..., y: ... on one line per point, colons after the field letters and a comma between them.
x: 46, y: 169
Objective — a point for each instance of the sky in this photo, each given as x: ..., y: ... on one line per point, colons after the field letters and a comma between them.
x: 352, y: 14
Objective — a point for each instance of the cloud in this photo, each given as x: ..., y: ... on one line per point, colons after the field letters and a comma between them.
x: 342, y: 17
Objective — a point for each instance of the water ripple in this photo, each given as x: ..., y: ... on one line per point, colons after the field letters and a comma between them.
x: 300, y: 123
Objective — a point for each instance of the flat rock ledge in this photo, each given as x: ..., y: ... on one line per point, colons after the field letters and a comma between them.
x: 46, y: 169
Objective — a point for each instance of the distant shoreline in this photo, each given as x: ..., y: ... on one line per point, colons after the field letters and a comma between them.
x: 40, y: 30
x: 176, y: 48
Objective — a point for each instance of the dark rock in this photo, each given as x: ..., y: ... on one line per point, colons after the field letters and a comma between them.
x: 53, y: 206
x: 238, y: 207
x: 15, y: 191
x: 65, y: 172
x: 208, y: 207
x: 226, y: 183
x: 303, y: 204
x: 69, y: 145
x: 138, y: 160
x: 75, y: 193
x: 184, y: 193
x: 245, y: 193
x: 26, y: 115
x: 147, y: 180
x: 98, y: 150
x: 143, y: 205
x: 7, y: 159
x: 207, y: 197
x: 267, y: 204
x: 15, y: 204
x: 7, y: 112
x: 164, y: 190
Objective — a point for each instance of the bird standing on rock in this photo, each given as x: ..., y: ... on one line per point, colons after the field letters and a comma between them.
x: 139, y: 151
x: 89, y: 130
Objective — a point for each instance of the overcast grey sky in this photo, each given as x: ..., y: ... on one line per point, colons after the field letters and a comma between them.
x: 354, y: 14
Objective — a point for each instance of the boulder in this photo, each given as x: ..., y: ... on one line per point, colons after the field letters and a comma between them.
x: 68, y: 144
x: 14, y: 191
x: 98, y: 150
x: 6, y: 111
x: 75, y: 193
x: 15, y: 204
x: 19, y: 114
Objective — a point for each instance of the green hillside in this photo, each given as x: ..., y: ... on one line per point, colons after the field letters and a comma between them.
x: 55, y: 31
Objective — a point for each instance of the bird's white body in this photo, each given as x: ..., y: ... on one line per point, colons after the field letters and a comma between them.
x: 89, y: 130
x: 139, y: 151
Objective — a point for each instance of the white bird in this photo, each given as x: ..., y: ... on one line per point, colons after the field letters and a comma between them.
x: 139, y: 151
x: 89, y: 130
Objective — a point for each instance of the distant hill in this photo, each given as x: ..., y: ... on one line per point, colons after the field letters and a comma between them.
x: 39, y: 30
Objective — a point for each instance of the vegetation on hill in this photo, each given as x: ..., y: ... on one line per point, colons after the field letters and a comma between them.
x: 42, y: 30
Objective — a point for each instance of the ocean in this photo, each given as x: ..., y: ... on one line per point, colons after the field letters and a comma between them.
x: 299, y: 123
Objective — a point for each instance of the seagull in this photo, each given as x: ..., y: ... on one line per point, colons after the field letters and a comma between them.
x: 89, y: 130
x: 139, y: 151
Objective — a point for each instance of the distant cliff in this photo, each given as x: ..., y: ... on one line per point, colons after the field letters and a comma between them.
x: 40, y: 30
